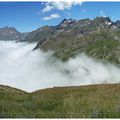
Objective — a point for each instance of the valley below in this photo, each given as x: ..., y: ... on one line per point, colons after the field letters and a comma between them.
x: 71, y: 70
x: 29, y: 70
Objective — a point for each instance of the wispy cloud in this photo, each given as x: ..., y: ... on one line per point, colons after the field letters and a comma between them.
x: 60, y: 5
x: 83, y: 10
x: 52, y: 16
x: 102, y: 13
x: 47, y: 8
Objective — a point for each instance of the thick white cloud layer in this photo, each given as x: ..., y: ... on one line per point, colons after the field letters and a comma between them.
x: 22, y: 68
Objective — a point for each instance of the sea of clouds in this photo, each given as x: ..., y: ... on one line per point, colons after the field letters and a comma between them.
x: 29, y: 70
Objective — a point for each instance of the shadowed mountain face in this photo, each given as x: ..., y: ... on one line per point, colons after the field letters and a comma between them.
x: 10, y: 33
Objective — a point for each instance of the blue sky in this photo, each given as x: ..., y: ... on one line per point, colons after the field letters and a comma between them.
x: 28, y: 16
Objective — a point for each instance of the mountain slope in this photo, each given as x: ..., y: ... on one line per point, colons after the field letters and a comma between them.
x: 99, y: 38
x: 94, y: 101
x: 99, y: 44
x: 40, y: 34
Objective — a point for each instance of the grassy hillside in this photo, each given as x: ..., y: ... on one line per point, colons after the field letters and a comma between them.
x: 99, y: 38
x: 94, y: 101
x: 103, y: 45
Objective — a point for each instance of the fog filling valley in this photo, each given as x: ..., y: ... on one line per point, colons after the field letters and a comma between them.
x: 22, y: 68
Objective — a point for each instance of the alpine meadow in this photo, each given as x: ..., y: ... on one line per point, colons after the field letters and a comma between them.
x: 59, y: 59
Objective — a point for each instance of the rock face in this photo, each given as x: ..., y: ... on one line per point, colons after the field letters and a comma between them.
x: 49, y: 31
x: 99, y: 38
x: 66, y: 24
x: 76, y: 27
x: 10, y: 33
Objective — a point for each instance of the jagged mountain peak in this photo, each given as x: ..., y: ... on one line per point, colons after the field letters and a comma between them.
x: 102, y: 18
x: 77, y: 27
x: 68, y: 20
x: 66, y: 23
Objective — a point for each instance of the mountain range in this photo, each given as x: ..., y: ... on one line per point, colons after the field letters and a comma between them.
x: 99, y: 38
x: 10, y: 33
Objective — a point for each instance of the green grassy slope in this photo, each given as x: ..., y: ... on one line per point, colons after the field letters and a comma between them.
x: 103, y: 45
x: 94, y: 101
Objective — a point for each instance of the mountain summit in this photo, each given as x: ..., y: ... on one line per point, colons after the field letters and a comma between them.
x: 10, y: 33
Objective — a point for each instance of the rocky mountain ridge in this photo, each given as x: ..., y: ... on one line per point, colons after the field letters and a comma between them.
x: 10, y: 33
x: 78, y: 27
x: 98, y: 38
x: 82, y: 26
